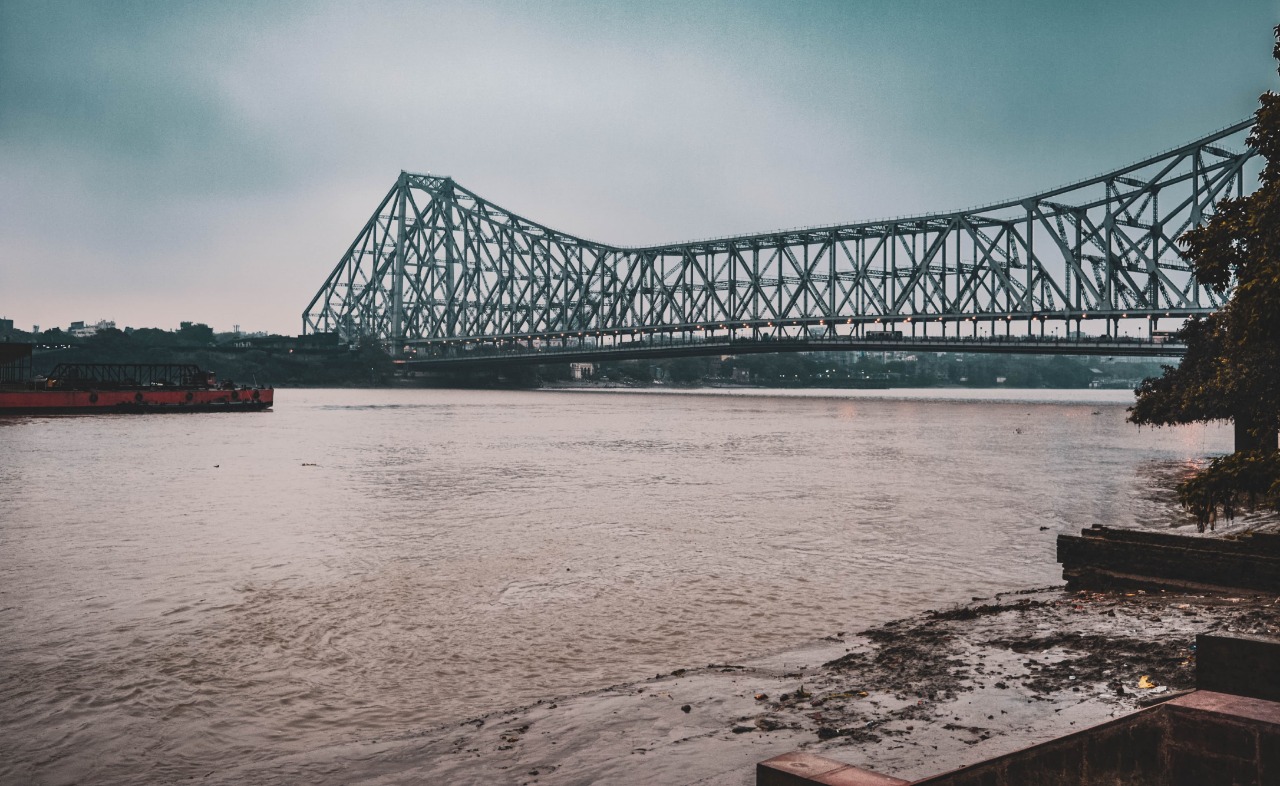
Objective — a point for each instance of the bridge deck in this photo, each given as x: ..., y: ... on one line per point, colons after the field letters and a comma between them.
x: 578, y: 350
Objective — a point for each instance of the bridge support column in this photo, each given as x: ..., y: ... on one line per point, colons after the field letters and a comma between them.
x: 397, y: 278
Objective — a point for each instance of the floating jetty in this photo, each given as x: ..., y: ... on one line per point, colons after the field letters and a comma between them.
x: 1105, y: 558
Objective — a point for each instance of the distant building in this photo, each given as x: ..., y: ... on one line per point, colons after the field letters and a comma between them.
x: 582, y: 370
x: 312, y: 342
x: 6, y: 325
x: 81, y: 330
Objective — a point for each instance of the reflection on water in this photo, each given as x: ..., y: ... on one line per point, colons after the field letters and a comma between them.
x: 181, y: 592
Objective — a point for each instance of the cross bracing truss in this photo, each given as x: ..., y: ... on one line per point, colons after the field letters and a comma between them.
x: 437, y: 264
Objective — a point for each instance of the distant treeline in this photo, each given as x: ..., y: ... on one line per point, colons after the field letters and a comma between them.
x: 287, y: 361
x: 271, y: 360
x: 830, y: 369
x: 901, y: 369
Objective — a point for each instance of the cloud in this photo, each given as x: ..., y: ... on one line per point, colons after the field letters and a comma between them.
x: 128, y: 95
x: 219, y: 157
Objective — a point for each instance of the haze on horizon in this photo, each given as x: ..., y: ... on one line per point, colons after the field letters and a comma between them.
x: 211, y: 162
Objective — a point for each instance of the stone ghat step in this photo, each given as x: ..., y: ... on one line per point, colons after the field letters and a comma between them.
x: 1226, y: 733
x: 1204, y: 738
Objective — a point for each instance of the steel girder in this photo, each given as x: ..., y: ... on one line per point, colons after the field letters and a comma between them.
x: 436, y: 263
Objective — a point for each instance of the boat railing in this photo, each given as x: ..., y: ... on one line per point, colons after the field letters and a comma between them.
x: 128, y: 375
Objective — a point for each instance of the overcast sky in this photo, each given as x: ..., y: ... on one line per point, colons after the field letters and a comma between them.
x: 166, y: 161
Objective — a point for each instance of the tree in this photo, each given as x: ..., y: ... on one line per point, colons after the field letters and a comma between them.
x: 54, y: 337
x: 108, y: 339
x: 154, y: 337
x: 195, y: 334
x: 1232, y: 366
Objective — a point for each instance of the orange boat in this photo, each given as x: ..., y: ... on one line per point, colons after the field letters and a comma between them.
x: 118, y: 387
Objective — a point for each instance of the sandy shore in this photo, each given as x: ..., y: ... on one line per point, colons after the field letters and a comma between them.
x: 909, y: 698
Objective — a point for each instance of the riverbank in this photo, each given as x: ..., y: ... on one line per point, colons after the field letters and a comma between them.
x: 912, y: 697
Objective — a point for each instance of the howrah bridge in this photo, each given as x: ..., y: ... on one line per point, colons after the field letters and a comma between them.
x: 443, y: 278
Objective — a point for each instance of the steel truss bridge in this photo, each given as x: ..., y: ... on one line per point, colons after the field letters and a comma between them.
x: 442, y: 277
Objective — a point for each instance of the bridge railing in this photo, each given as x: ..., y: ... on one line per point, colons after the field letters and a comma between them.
x: 592, y: 348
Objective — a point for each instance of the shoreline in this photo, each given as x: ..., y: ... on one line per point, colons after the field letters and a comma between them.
x: 910, y: 698
x: 584, y: 386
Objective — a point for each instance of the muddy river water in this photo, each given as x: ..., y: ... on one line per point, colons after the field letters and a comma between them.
x: 177, y: 592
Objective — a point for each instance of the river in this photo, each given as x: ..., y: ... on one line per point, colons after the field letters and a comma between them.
x: 178, y: 592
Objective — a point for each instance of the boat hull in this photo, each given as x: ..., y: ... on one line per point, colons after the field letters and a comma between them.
x: 151, y: 400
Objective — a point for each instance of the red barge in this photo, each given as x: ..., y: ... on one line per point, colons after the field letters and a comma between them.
x: 80, y: 388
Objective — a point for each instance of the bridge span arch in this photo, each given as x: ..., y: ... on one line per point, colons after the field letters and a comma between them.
x: 440, y: 276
